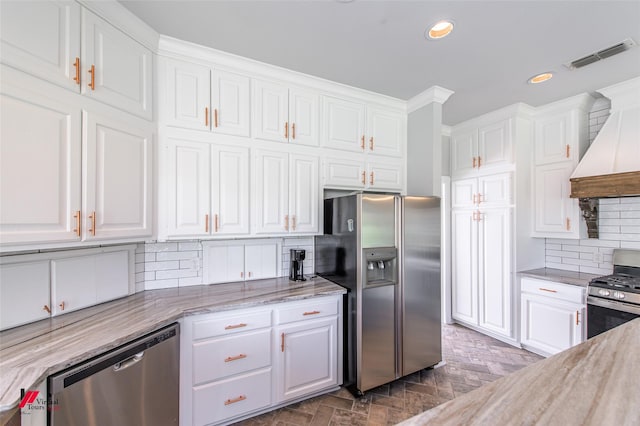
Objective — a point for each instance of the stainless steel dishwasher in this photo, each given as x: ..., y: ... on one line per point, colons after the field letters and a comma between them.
x: 136, y: 384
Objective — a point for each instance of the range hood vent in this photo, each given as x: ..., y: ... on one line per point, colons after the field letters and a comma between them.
x: 623, y: 46
x: 611, y: 165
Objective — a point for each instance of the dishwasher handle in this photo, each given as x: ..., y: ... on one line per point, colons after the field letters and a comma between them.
x: 122, y: 365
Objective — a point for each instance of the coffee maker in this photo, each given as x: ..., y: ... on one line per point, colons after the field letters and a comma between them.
x: 295, y: 265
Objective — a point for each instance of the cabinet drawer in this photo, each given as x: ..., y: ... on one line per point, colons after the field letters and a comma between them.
x: 226, y: 324
x: 218, y: 358
x: 231, y: 398
x: 553, y: 289
x: 314, y: 309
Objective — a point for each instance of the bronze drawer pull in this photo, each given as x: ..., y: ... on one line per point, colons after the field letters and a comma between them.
x: 546, y: 289
x: 311, y: 313
x: 231, y: 327
x: 234, y: 400
x: 234, y: 358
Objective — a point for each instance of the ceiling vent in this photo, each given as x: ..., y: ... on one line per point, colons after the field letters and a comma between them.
x: 601, y: 54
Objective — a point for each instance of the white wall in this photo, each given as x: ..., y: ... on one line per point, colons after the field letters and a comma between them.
x: 618, y: 223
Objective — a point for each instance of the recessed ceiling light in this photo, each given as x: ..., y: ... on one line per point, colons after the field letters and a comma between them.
x: 440, y: 29
x: 540, y: 78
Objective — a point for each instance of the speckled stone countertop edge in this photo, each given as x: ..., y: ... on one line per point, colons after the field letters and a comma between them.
x: 22, y: 367
x: 580, y: 279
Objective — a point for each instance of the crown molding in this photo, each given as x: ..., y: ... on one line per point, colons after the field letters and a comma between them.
x: 433, y: 94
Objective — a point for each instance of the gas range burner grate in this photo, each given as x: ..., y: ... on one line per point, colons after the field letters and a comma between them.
x: 619, y: 281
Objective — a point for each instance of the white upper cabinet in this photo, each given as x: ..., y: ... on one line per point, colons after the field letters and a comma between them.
x: 65, y: 44
x: 43, y: 39
x: 353, y: 174
x: 285, y: 115
x: 187, y: 187
x: 208, y: 189
x: 187, y: 95
x: 286, y: 193
x: 198, y: 97
x: 386, y: 132
x: 40, y: 169
x: 304, y: 193
x: 117, y: 178
x: 230, y: 103
x: 344, y: 123
x: 229, y: 190
x: 561, y: 137
x: 483, y: 148
x: 354, y: 126
x: 117, y: 69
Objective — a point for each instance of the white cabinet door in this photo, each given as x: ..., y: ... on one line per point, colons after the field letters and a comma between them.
x: 344, y: 173
x: 187, y: 95
x: 260, y: 261
x: 117, y: 177
x: 38, y: 203
x: 553, y: 139
x: 551, y: 325
x: 307, y: 359
x: 384, y: 176
x: 188, y: 189
x: 24, y: 293
x: 271, y: 111
x: 224, y: 264
x: 494, y: 270
x: 117, y: 69
x: 304, y: 194
x: 464, y: 193
x: 229, y: 190
x: 495, y: 144
x: 494, y: 190
x: 344, y: 123
x: 556, y: 214
x: 385, y: 132
x: 271, y: 190
x: 303, y: 117
x: 464, y: 145
x: 230, y: 103
x: 464, y: 276
x: 42, y: 39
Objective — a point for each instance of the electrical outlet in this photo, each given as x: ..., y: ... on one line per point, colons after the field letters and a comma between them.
x: 598, y: 257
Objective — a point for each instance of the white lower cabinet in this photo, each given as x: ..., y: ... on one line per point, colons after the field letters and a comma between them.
x: 240, y: 363
x: 553, y: 316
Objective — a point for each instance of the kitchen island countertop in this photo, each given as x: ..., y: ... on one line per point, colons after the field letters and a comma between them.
x: 593, y: 383
x: 30, y: 353
x: 580, y: 279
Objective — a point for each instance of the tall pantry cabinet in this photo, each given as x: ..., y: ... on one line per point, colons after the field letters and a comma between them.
x: 491, y: 218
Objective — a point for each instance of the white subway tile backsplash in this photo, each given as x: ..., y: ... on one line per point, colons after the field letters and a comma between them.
x: 176, y: 273
x: 160, y: 247
x: 630, y: 245
x: 184, y: 282
x: 190, y: 245
x: 177, y: 255
x: 159, y: 284
x: 162, y: 266
x: 564, y: 266
x: 630, y: 214
x: 550, y: 246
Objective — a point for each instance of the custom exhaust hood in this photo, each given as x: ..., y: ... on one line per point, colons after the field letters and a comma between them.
x: 611, y: 165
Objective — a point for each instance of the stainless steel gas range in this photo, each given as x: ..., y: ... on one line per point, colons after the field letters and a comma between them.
x: 615, y: 299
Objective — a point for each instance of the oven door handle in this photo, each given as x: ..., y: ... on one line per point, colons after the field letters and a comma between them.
x: 614, y: 304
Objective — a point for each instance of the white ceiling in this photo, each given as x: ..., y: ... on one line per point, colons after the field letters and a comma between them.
x: 380, y: 45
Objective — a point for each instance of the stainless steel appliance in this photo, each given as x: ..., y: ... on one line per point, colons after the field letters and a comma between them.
x: 385, y: 249
x: 615, y: 299
x: 296, y: 258
x: 136, y: 384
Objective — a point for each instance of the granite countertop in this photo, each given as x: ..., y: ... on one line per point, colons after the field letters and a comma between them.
x: 561, y: 276
x: 593, y: 383
x: 30, y: 353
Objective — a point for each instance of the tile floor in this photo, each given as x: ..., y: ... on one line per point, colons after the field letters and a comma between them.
x: 471, y: 360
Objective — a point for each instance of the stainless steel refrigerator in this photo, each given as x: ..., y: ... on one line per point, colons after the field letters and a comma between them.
x: 385, y: 249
